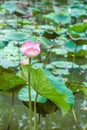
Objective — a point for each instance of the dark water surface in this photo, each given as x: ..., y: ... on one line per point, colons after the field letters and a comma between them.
x: 20, y: 119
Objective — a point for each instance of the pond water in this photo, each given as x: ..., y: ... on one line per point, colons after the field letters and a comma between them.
x: 54, y: 121
x: 20, y: 116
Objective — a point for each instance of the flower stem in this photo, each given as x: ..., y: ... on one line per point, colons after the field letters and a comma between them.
x: 74, y: 56
x: 75, y: 118
x: 29, y: 93
x: 10, y: 116
x: 35, y: 115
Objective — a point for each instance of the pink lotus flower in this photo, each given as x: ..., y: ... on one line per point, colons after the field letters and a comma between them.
x: 24, y: 62
x: 31, y: 50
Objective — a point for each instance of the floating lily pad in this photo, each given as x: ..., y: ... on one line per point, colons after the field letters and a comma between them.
x: 60, y: 51
x: 17, y: 36
x: 23, y: 95
x: 64, y: 64
x: 8, y: 63
x: 78, y: 33
x: 60, y: 71
x: 75, y: 86
x: 9, y: 7
x: 58, y: 18
x: 76, y: 12
x: 72, y: 46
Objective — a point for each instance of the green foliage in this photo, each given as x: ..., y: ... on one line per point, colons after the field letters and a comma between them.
x: 76, y: 12
x: 17, y: 36
x: 78, y: 28
x: 64, y: 64
x: 60, y: 71
x: 9, y: 80
x: 23, y: 95
x: 78, y: 32
x: 62, y: 34
x: 52, y: 88
x: 3, y: 44
x: 58, y: 18
x: 9, y: 7
x: 71, y: 45
x: 44, y: 106
x: 76, y: 86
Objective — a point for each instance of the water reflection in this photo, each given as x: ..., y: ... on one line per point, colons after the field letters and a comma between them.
x: 20, y: 117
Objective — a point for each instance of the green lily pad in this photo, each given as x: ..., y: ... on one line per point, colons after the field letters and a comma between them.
x: 60, y: 71
x: 72, y: 46
x: 19, y: 12
x: 60, y: 50
x: 58, y: 18
x: 78, y: 28
x: 3, y: 44
x: 75, y: 86
x: 8, y: 63
x: 52, y: 88
x: 45, y: 42
x: 64, y: 64
x: 9, y: 7
x: 84, y: 90
x: 23, y: 95
x: 78, y: 33
x: 81, y: 53
x: 76, y: 12
x: 43, y: 105
x: 9, y: 80
x: 17, y: 36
